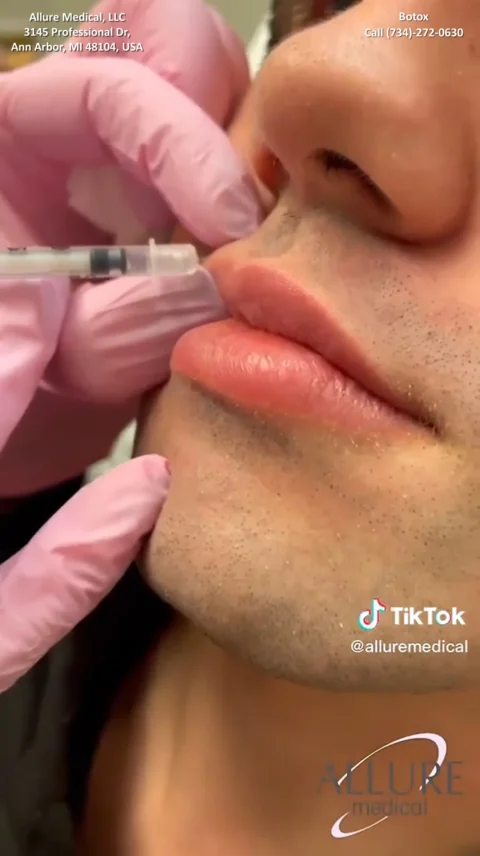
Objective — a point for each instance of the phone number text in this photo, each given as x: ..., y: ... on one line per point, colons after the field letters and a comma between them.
x: 414, y: 33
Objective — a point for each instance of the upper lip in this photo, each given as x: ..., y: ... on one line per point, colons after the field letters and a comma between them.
x: 269, y: 300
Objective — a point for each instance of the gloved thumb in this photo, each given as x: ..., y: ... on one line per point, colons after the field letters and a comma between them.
x: 75, y: 560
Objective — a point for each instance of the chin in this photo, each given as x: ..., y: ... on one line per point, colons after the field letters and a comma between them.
x: 272, y: 551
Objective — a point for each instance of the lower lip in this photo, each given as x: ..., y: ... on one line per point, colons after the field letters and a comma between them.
x: 271, y: 375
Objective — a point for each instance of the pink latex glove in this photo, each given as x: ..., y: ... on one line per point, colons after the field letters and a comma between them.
x: 74, y: 116
x: 75, y: 560
x: 72, y: 364
x: 79, y: 555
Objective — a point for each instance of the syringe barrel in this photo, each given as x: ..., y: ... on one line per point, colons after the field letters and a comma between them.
x: 44, y: 262
x: 99, y: 262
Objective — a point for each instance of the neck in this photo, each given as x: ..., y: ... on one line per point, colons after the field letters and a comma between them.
x: 264, y: 756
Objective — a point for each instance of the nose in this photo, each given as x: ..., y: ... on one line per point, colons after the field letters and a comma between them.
x: 378, y: 127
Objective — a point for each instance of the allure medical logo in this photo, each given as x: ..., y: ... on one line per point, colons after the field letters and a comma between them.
x: 401, y: 789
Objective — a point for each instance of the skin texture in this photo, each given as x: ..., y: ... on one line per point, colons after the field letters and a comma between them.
x: 338, y: 520
x: 277, y: 533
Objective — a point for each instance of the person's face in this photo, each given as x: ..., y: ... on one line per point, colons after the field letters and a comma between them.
x: 301, y: 491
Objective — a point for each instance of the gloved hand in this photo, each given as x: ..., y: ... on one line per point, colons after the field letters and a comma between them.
x: 75, y: 560
x: 105, y: 344
x: 73, y: 363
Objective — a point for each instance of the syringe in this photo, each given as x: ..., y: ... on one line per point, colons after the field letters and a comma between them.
x: 99, y: 262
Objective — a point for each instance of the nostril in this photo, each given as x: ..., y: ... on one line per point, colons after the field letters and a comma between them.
x: 334, y: 161
x: 269, y: 170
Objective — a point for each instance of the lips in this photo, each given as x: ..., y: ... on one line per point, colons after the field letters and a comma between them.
x: 283, y: 354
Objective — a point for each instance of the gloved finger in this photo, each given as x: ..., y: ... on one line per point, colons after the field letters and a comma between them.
x: 121, y: 112
x: 75, y: 560
x: 31, y: 314
x: 234, y: 51
x: 215, y: 75
x: 117, y: 338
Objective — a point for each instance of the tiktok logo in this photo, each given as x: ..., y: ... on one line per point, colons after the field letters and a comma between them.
x: 369, y: 619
